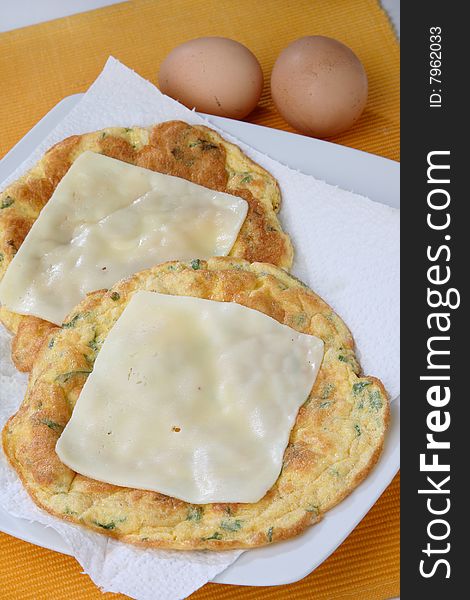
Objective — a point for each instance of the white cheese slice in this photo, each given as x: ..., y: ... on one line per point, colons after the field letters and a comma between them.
x: 107, y: 220
x: 191, y: 398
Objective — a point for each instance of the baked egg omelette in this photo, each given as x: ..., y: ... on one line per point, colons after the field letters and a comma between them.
x: 101, y: 206
x: 333, y: 440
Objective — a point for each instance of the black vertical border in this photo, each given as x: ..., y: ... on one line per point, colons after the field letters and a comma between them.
x: 426, y: 129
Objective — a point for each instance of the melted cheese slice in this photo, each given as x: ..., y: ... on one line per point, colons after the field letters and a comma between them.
x: 107, y: 220
x: 191, y: 398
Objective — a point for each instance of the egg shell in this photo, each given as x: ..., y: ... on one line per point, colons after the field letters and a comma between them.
x: 319, y: 86
x: 215, y: 75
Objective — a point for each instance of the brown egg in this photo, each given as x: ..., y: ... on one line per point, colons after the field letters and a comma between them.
x: 319, y: 86
x: 215, y: 75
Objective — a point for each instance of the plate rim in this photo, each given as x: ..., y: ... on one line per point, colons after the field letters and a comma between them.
x: 391, y: 455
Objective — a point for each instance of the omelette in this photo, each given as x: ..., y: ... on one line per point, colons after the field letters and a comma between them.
x: 195, y: 153
x: 337, y: 437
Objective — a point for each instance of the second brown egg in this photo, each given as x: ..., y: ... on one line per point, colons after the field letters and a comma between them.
x: 319, y: 86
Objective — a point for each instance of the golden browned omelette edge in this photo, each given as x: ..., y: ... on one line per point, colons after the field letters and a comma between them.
x: 193, y: 152
x: 337, y: 438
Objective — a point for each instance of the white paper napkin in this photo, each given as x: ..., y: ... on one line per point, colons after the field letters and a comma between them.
x: 346, y: 249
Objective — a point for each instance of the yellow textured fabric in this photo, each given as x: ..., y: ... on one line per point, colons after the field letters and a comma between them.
x: 39, y: 65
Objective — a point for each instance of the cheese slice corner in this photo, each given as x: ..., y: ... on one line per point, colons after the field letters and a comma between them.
x: 191, y: 398
x: 107, y: 220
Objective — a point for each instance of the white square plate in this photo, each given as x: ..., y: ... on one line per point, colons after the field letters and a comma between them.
x: 366, y: 174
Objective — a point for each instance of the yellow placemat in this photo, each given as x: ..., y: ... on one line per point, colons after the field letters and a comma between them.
x: 39, y: 65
